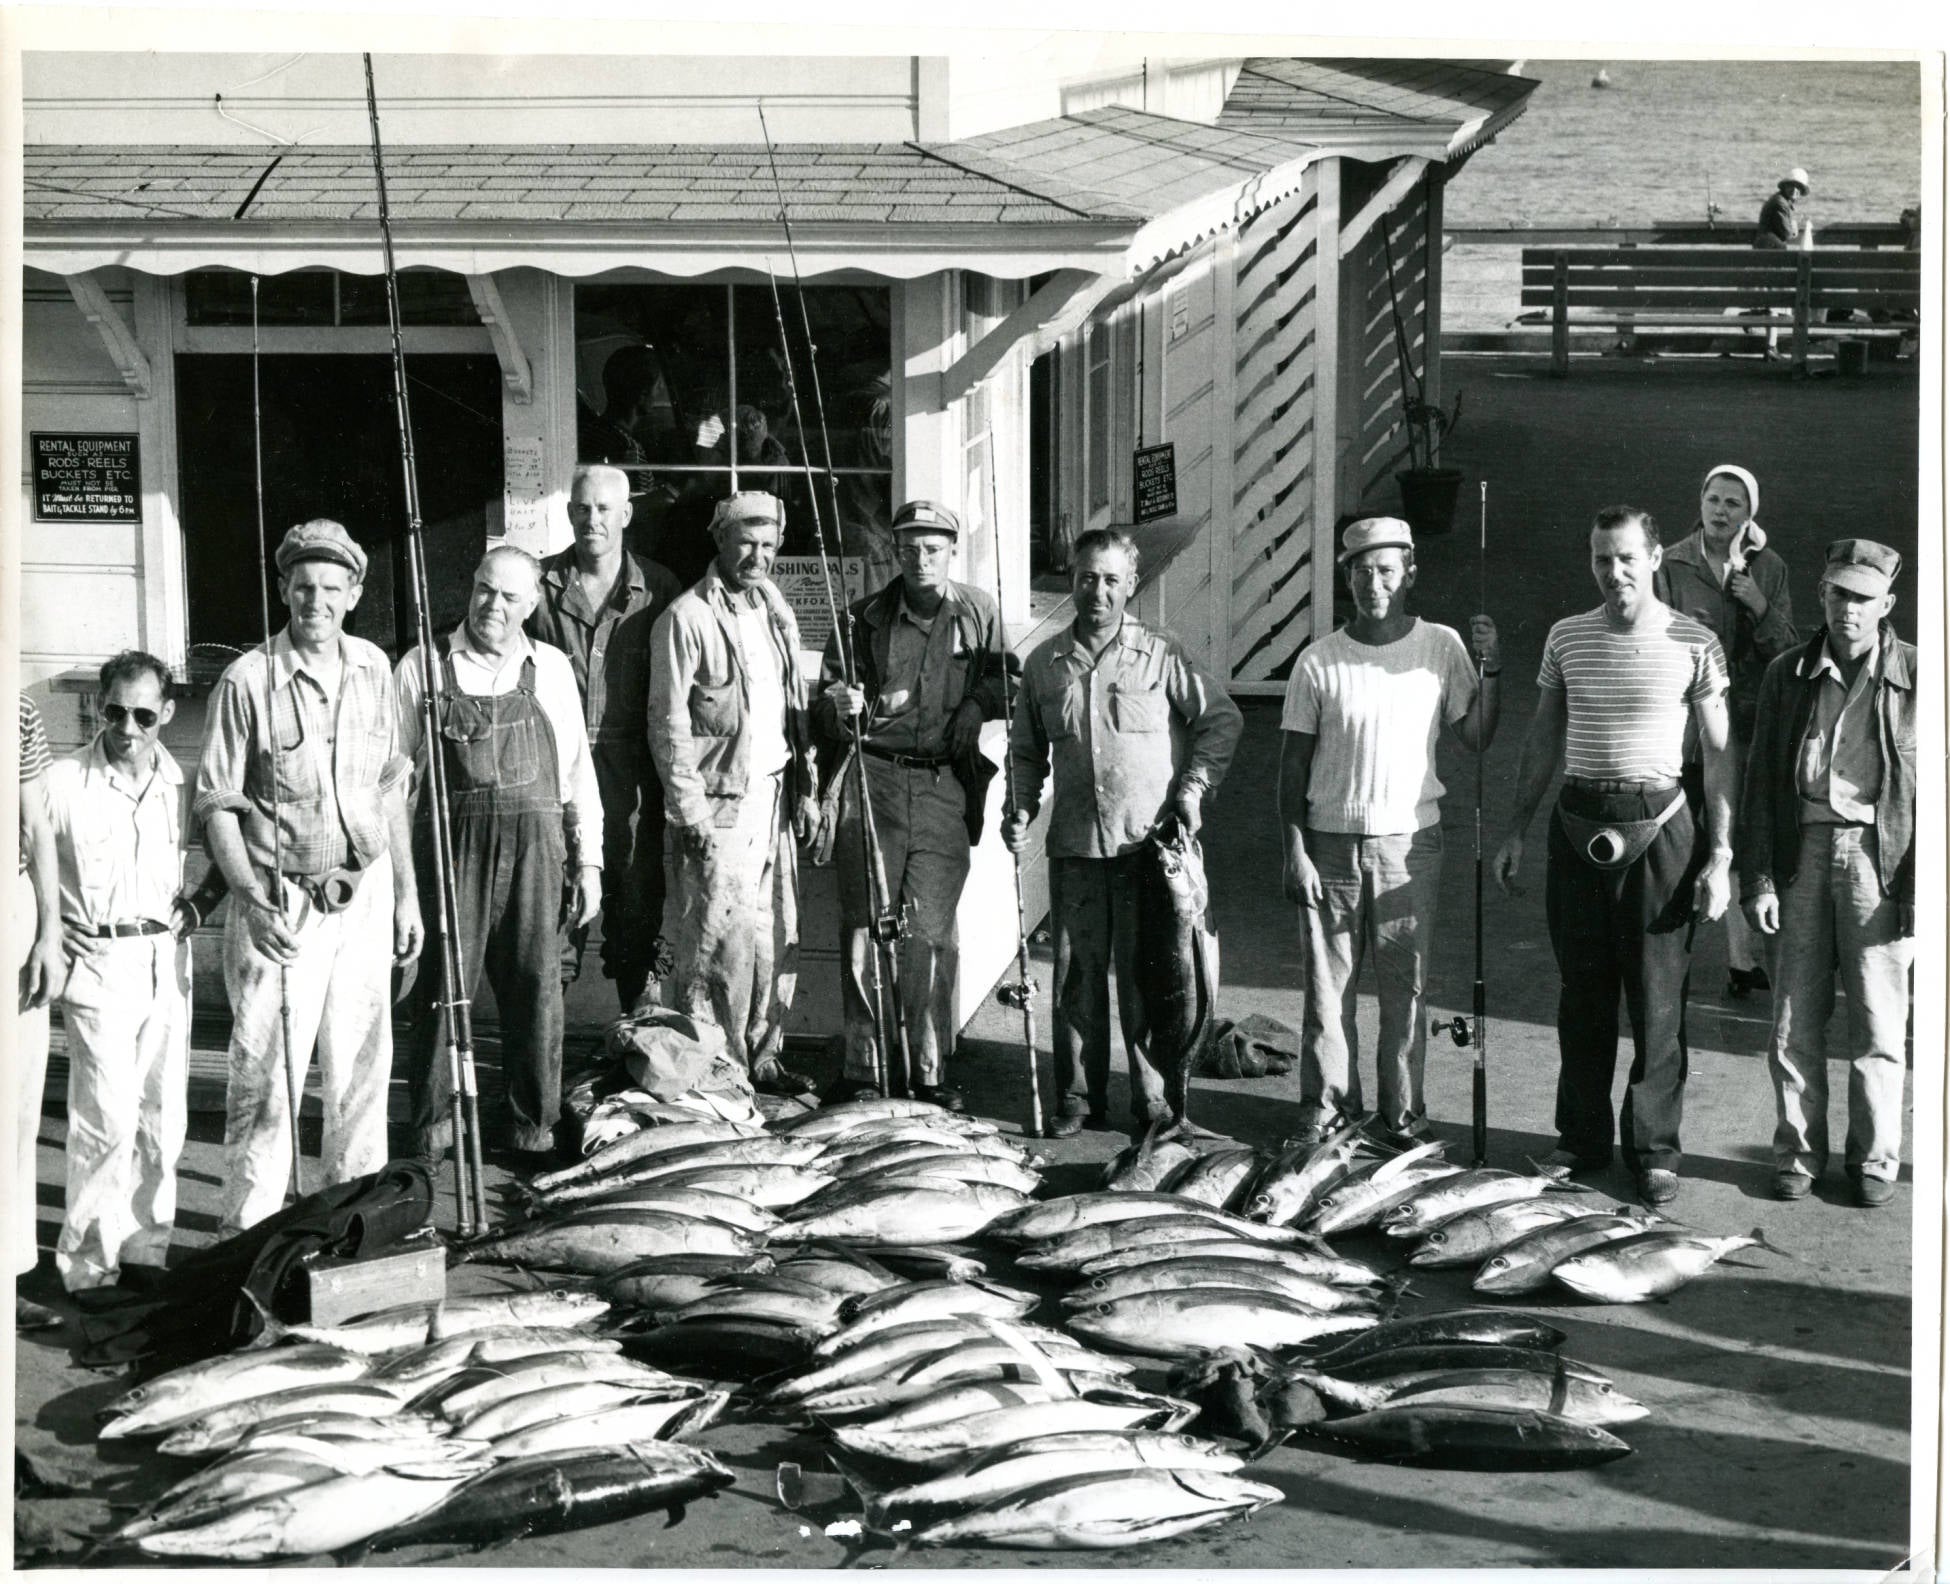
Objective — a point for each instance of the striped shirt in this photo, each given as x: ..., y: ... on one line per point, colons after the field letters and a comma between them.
x: 1629, y: 695
x: 35, y: 756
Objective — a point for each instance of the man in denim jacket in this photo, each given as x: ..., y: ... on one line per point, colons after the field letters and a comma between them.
x: 729, y: 735
x: 1828, y: 869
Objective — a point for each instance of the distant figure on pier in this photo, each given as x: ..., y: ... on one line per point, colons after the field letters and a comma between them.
x: 1780, y: 224
x: 1602, y: 80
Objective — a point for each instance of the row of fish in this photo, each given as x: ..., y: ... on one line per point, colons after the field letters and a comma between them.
x: 471, y: 1420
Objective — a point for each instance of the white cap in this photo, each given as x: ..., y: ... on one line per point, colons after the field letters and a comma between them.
x: 1799, y: 177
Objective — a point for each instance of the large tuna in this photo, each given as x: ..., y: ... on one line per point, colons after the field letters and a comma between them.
x: 1103, y: 1511
x: 1177, y: 958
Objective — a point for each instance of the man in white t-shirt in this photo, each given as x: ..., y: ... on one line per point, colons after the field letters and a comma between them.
x: 1360, y: 809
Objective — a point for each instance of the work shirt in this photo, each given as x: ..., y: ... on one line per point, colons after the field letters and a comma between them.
x: 338, y: 754
x: 35, y: 756
x: 925, y: 682
x: 482, y: 675
x: 608, y: 644
x: 1128, y: 730
x: 118, y: 837
x: 1629, y: 694
x: 1838, y: 770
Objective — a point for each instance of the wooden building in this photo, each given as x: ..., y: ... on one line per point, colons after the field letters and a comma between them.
x: 1021, y: 274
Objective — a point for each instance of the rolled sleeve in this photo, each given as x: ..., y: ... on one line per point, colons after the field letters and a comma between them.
x: 224, y: 767
x: 1215, y: 721
x: 1028, y: 743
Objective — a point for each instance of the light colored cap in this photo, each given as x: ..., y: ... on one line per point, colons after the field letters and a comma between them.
x: 1798, y: 177
x: 1861, y: 566
x: 926, y: 516
x: 748, y: 506
x: 321, y: 539
x: 1374, y: 533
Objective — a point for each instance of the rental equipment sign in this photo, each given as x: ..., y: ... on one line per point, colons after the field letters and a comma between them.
x: 87, y: 478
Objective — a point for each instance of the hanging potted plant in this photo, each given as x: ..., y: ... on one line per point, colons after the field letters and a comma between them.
x: 1429, y: 491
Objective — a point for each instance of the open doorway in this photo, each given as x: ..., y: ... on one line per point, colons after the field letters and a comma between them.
x: 331, y: 449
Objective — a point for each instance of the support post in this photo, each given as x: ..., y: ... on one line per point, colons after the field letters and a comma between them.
x: 1560, y: 314
x: 1803, y: 308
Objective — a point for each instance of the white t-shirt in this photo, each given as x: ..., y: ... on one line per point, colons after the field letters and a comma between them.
x: 1375, y: 710
x: 770, y: 747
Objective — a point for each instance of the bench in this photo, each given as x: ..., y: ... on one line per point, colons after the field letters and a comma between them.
x: 1826, y: 292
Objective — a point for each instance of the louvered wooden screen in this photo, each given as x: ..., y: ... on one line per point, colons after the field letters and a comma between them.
x: 1381, y: 440
x: 1274, y: 395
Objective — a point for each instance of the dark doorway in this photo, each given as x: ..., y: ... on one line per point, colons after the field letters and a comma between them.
x: 331, y: 449
x: 1044, y: 502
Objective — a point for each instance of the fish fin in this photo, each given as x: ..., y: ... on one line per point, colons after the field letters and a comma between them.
x: 353, y: 1555
x: 1560, y: 1177
x: 1273, y: 1440
x: 273, y: 1329
x: 1763, y: 1241
x: 677, y: 1511
x: 1039, y: 1365
x: 1397, y: 1287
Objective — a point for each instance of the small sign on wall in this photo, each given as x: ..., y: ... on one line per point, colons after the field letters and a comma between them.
x: 1154, y: 487
x: 87, y: 478
x: 799, y: 579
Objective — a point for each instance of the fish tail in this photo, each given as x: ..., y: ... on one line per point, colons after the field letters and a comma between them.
x: 436, y: 1331
x: 272, y: 1330
x: 1761, y: 1238
x: 1395, y: 1288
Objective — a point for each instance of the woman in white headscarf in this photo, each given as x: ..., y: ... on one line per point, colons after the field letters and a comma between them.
x: 1723, y: 574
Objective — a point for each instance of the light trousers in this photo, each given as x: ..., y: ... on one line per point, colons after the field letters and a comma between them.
x: 341, y: 1007
x: 1378, y: 901
x: 127, y: 1014
x: 30, y: 1063
x: 735, y: 941
x: 1834, y: 910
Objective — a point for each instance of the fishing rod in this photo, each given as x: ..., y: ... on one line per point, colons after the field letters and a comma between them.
x: 470, y: 1192
x: 1022, y: 993
x: 293, y: 1095
x: 1475, y: 1033
x: 885, y: 927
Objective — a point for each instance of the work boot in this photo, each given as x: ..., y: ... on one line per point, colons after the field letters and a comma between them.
x: 1658, y: 1187
x: 1873, y: 1192
x: 30, y: 1316
x: 431, y: 1144
x: 1792, y: 1184
x: 1069, y: 1118
x: 771, y: 1076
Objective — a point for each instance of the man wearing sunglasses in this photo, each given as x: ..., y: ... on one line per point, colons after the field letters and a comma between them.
x: 928, y: 653
x: 302, y: 762
x: 117, y: 811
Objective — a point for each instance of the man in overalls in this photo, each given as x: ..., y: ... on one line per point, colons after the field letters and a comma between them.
x: 526, y: 814
x: 928, y: 652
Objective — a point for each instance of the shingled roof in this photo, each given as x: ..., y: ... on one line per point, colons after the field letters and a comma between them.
x: 1467, y: 102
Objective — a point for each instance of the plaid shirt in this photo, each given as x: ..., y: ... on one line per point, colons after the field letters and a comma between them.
x: 608, y: 647
x: 340, y: 762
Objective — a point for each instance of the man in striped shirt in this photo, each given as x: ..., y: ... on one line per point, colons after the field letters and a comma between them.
x: 1629, y: 873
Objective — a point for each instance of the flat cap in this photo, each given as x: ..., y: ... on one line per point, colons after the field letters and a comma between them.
x: 321, y: 539
x: 748, y: 506
x: 1374, y: 533
x: 926, y: 516
x: 1861, y: 566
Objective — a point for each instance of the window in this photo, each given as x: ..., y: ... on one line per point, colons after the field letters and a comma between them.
x: 1098, y: 420
x: 326, y: 297
x: 685, y: 388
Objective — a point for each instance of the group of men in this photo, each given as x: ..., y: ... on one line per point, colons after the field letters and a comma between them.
x: 609, y: 741
x: 1632, y: 715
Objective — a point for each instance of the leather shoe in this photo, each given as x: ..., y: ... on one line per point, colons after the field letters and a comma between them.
x: 1068, y: 1125
x: 940, y: 1094
x: 1871, y: 1192
x: 1658, y: 1186
x: 30, y: 1316
x: 1792, y: 1184
x: 772, y: 1076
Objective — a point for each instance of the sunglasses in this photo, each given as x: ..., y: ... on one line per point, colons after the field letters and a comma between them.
x: 115, y: 714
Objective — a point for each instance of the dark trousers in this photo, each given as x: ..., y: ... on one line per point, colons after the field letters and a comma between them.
x: 1627, y: 929
x: 508, y: 871
x: 1093, y: 928
x: 633, y: 866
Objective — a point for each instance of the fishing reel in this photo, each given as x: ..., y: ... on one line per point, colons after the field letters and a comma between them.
x: 1016, y: 993
x: 1457, y: 1028
x: 887, y: 928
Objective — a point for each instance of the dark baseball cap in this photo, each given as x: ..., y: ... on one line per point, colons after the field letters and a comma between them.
x: 926, y: 516
x: 1861, y: 566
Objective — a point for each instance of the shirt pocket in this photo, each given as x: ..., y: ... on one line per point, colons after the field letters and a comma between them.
x: 94, y: 858
x: 715, y: 707
x: 1060, y: 710
x: 292, y: 751
x: 1138, y: 709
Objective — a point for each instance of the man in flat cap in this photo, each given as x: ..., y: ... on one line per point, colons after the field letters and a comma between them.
x: 526, y: 817
x: 1360, y: 808
x: 598, y: 605
x: 1828, y: 869
x: 302, y: 764
x: 729, y: 735
x: 928, y: 653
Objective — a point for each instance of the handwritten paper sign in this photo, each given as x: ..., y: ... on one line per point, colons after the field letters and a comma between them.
x: 524, y: 487
x: 87, y: 478
x: 1154, y: 486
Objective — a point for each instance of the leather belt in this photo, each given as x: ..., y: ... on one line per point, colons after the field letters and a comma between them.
x: 907, y: 761
x: 122, y: 929
x: 1613, y: 788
